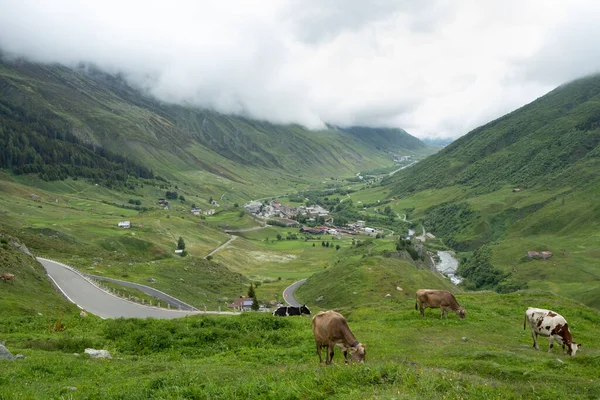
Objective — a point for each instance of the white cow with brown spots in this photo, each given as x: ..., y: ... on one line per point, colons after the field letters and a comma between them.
x: 331, y: 329
x: 443, y: 299
x: 548, y: 323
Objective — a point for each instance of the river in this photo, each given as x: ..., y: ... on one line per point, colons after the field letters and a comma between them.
x: 448, y: 266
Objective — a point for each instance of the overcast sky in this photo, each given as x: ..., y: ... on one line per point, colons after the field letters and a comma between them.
x: 434, y: 68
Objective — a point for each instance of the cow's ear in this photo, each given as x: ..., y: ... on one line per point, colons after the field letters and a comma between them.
x: 578, y: 345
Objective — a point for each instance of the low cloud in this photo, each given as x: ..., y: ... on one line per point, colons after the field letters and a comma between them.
x: 435, y: 68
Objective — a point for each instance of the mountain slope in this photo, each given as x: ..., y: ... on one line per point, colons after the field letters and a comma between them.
x: 102, y: 112
x: 525, y: 182
x: 550, y: 142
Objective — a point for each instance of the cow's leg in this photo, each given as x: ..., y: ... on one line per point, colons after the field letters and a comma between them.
x: 551, y: 343
x: 330, y: 354
x: 319, y: 348
x: 534, y: 336
x: 422, y: 308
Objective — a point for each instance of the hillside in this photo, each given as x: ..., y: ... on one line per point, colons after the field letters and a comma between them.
x: 549, y: 143
x: 58, y: 121
x: 30, y: 292
x: 524, y: 182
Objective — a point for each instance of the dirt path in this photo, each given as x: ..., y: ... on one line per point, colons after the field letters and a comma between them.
x: 221, y: 247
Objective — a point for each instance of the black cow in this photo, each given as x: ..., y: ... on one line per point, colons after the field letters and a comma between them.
x: 287, y: 311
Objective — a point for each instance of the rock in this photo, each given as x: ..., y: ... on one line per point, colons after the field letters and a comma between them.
x: 98, y: 353
x: 560, y: 361
x: 76, y: 354
x: 5, y: 354
x: 464, y: 338
x: 83, y: 313
x: 388, y: 295
x: 320, y: 298
x: 71, y: 388
x: 399, y: 288
x: 151, y: 280
x: 20, y: 357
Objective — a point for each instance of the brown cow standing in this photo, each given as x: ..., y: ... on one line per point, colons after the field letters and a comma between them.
x: 7, y: 277
x: 331, y: 329
x: 438, y: 299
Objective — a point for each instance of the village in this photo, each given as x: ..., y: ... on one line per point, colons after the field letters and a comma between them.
x: 286, y: 215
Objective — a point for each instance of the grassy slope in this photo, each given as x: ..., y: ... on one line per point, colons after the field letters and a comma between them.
x: 82, y: 231
x: 30, y: 292
x: 548, y: 148
x: 209, y: 151
x: 211, y: 357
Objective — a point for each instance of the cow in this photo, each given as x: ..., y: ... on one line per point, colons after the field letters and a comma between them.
x: 287, y: 311
x: 7, y: 277
x: 331, y: 329
x: 438, y: 299
x: 551, y: 324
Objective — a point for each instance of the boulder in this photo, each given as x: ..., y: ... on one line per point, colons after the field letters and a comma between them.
x: 5, y: 354
x: 98, y: 353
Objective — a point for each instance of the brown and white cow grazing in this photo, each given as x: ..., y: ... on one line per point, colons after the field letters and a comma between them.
x: 7, y: 277
x: 331, y: 329
x: 438, y: 299
x: 551, y: 324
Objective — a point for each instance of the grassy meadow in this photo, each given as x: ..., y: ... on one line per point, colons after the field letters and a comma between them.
x: 254, y: 355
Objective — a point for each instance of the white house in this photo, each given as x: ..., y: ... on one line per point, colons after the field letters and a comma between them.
x: 124, y: 224
x: 196, y: 211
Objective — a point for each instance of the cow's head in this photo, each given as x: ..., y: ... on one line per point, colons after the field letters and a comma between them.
x: 358, y: 353
x: 462, y: 313
x: 572, y: 348
x: 304, y: 310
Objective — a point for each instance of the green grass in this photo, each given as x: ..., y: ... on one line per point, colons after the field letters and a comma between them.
x: 260, y: 356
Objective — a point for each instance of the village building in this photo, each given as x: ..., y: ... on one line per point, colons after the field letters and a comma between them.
x: 124, y: 224
x: 196, y: 211
x: 241, y: 304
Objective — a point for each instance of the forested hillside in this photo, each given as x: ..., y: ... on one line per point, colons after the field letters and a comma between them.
x: 58, y: 122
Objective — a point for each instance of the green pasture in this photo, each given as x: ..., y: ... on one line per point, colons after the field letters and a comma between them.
x: 486, y: 356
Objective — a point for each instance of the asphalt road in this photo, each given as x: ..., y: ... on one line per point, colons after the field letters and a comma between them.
x: 178, y: 304
x: 288, y: 293
x: 103, y: 304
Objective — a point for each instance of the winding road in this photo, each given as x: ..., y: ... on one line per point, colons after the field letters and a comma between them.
x: 81, y: 291
x: 149, y: 291
x: 288, y: 293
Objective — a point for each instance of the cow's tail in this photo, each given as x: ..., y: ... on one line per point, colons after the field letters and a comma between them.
x: 417, y: 305
x: 525, y: 321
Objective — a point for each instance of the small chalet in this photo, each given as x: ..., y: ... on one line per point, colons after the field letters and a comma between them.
x: 124, y: 224
x: 241, y: 304
x: 196, y: 211
x: 532, y: 254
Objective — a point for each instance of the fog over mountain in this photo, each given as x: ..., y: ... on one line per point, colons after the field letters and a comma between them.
x: 435, y: 68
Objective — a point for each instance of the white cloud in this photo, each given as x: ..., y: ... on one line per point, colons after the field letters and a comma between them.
x: 434, y: 67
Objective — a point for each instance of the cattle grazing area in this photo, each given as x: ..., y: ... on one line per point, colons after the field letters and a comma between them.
x: 442, y: 299
x: 290, y: 311
x: 331, y: 329
x: 256, y: 355
x: 7, y: 277
x: 554, y: 326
